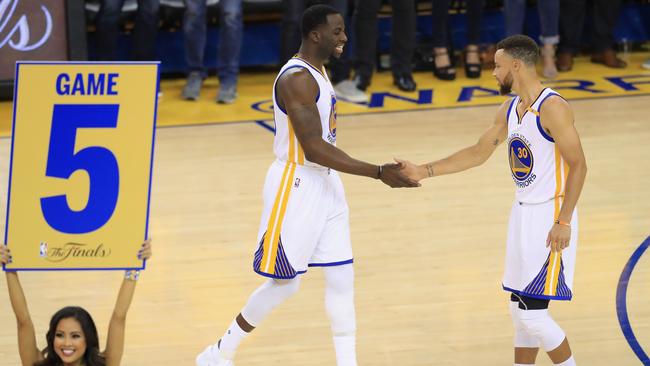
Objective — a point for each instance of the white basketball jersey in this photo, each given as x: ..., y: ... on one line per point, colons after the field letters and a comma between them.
x: 536, y: 165
x: 286, y: 145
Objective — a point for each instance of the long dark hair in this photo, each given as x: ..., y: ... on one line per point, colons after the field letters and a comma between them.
x: 92, y: 356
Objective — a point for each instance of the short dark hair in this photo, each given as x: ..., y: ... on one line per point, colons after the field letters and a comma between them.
x: 520, y: 47
x: 314, y: 16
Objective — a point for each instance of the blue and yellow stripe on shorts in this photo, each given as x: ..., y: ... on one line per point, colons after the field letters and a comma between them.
x: 549, y: 282
x: 271, y: 260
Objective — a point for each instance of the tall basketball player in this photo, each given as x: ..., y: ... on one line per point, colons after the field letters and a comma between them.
x: 549, y: 169
x: 305, y: 220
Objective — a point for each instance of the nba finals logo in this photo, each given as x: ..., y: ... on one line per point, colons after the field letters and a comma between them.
x: 331, y: 136
x: 521, y: 162
x: 43, y: 250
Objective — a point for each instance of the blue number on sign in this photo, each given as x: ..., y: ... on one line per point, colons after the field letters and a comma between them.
x: 98, y: 162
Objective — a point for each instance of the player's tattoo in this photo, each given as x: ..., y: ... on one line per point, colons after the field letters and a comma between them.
x: 496, y: 142
x: 430, y: 170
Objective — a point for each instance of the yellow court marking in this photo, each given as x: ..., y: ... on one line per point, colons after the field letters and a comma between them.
x: 585, y: 81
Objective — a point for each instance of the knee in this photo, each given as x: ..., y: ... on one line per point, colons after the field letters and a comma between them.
x: 539, y: 324
x: 287, y: 287
x: 231, y: 13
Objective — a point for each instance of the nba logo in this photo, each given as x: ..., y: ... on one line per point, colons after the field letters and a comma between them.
x: 297, y: 183
x: 43, y: 250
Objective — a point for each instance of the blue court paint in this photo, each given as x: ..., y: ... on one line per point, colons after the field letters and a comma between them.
x: 621, y: 304
x: 265, y: 125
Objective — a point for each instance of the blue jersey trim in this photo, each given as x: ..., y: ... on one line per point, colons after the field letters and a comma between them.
x: 278, y: 277
x: 534, y: 296
x: 275, y: 86
x: 539, y: 112
x: 331, y: 264
x: 542, y: 132
x: 512, y: 102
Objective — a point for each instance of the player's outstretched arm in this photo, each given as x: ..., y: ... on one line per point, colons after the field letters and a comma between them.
x: 468, y: 157
x: 27, y: 348
x: 115, y: 341
x: 557, y: 118
x: 297, y: 92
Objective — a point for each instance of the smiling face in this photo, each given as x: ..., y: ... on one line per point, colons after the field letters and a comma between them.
x: 333, y: 35
x: 69, y: 341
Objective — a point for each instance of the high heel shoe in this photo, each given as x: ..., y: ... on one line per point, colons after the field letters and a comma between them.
x: 443, y: 72
x: 472, y: 70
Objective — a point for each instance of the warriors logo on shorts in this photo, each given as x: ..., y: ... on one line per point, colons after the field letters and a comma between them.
x: 521, y: 159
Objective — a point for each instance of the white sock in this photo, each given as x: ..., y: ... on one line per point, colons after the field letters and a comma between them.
x: 231, y: 340
x: 345, y: 347
x: 569, y: 362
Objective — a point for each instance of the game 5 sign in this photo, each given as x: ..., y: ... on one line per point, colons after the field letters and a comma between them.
x: 81, y: 163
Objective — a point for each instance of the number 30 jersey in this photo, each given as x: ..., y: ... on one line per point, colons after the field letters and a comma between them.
x: 537, y: 168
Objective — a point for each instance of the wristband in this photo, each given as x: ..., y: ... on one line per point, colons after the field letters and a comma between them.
x: 132, y: 275
x: 560, y: 222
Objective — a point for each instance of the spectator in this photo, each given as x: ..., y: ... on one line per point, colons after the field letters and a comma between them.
x: 144, y: 33
x: 402, y: 48
x: 230, y: 39
x: 442, y: 66
x: 549, y: 19
x: 605, y: 16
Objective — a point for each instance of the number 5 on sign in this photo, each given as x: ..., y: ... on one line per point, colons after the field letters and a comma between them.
x: 81, y: 163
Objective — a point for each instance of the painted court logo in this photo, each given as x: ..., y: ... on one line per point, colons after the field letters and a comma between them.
x: 521, y: 162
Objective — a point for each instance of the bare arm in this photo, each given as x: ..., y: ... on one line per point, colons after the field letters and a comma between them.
x: 297, y: 91
x: 557, y: 118
x: 470, y: 156
x: 117, y: 326
x: 27, y: 347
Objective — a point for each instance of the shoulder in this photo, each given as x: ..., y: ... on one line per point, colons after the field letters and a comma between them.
x: 296, y: 76
x: 502, y: 112
x: 555, y: 109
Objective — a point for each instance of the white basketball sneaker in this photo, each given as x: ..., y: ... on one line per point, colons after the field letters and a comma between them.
x: 210, y: 357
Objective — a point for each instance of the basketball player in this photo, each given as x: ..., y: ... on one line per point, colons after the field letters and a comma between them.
x: 549, y: 169
x: 305, y: 219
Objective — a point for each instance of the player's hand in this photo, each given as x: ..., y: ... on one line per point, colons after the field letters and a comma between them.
x: 559, y: 237
x: 5, y: 255
x: 412, y: 171
x: 145, y: 250
x: 393, y: 176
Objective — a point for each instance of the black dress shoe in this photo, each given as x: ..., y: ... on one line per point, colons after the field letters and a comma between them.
x: 404, y: 82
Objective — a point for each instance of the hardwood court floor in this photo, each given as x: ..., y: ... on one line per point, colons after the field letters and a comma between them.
x: 428, y: 261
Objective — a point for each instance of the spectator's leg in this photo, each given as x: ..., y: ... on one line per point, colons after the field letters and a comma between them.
x: 549, y: 18
x: 402, y: 36
x: 230, y: 40
x: 290, y: 30
x: 514, y: 11
x: 146, y: 29
x: 365, y: 26
x: 107, y: 24
x: 340, y: 67
x: 606, y: 14
x: 194, y: 33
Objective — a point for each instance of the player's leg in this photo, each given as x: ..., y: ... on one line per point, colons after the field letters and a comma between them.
x: 334, y: 254
x: 537, y: 323
x: 526, y: 346
x: 339, y: 303
x: 260, y: 304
